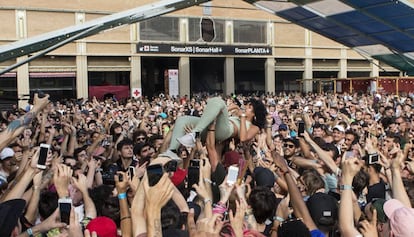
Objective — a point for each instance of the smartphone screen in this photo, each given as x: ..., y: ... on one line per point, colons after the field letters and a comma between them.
x: 154, y: 173
x: 131, y: 172
x: 373, y: 159
x: 195, y: 163
x: 232, y: 175
x: 349, y: 154
x: 301, y: 128
x: 65, y: 205
x: 44, y: 150
x: 193, y: 176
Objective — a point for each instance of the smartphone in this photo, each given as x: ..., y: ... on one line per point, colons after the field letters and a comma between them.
x: 65, y: 206
x: 154, y: 173
x: 195, y: 163
x: 349, y: 154
x: 120, y: 177
x: 232, y: 175
x: 193, y: 176
x: 301, y: 128
x: 171, y: 166
x: 373, y: 159
x: 44, y: 151
x: 131, y: 172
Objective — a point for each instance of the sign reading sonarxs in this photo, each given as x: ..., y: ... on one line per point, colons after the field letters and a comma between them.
x: 151, y: 48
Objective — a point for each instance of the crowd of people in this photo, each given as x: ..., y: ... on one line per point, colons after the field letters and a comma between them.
x: 260, y: 165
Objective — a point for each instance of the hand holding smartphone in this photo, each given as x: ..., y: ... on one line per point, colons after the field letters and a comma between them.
x: 232, y: 175
x: 44, y: 151
x: 65, y: 206
x: 349, y: 155
x: 301, y: 128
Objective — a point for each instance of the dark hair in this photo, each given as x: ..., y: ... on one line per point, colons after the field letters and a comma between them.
x: 360, y: 181
x: 263, y: 203
x: 124, y: 142
x: 79, y: 150
x: 313, y: 181
x: 114, y: 125
x: 293, y: 228
x: 103, y: 199
x: 137, y: 133
x: 259, y: 113
x: 48, y: 203
x: 170, y: 216
x: 356, y: 137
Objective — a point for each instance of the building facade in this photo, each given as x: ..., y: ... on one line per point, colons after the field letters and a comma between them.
x: 223, y: 46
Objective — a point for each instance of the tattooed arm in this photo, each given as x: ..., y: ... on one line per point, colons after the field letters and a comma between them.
x: 16, y: 127
x: 155, y: 198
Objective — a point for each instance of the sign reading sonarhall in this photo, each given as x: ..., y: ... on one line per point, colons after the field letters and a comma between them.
x: 154, y: 48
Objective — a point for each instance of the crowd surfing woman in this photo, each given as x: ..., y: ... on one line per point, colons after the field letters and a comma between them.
x: 250, y: 119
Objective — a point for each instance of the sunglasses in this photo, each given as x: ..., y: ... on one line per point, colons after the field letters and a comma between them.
x: 289, y: 145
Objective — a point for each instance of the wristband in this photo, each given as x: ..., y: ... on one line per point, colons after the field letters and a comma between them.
x: 29, y: 232
x: 243, y: 115
x: 278, y: 218
x: 121, y: 196
x: 345, y: 187
x: 207, y: 200
x: 125, y: 217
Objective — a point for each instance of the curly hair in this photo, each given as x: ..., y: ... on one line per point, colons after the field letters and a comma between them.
x: 259, y: 112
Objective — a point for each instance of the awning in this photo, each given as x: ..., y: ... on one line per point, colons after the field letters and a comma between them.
x: 381, y: 29
x: 51, y: 74
x: 9, y: 74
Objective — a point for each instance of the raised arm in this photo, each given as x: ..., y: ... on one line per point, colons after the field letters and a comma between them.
x: 323, y: 155
x: 16, y: 127
x: 350, y: 168
x: 296, y: 198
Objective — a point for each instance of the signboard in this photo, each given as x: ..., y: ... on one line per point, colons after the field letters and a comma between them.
x: 197, y: 49
x: 136, y: 92
x: 173, y: 82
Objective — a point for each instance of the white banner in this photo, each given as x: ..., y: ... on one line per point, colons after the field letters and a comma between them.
x: 136, y: 92
x: 173, y: 82
x: 338, y: 87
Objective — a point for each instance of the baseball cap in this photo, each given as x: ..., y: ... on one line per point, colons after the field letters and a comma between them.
x: 292, y: 140
x: 10, y: 212
x: 7, y: 152
x: 401, y: 218
x: 323, y: 209
x: 264, y: 177
x: 231, y: 158
x: 378, y: 204
x: 103, y: 226
x: 283, y: 127
x: 339, y: 128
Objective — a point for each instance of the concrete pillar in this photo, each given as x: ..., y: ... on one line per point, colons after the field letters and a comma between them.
x: 270, y: 83
x: 135, y: 81
x: 343, y: 64
x: 82, y: 76
x: 22, y: 78
x: 374, y: 68
x: 228, y: 76
x: 184, y: 76
x: 81, y: 62
x: 308, y: 73
x: 23, y: 87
